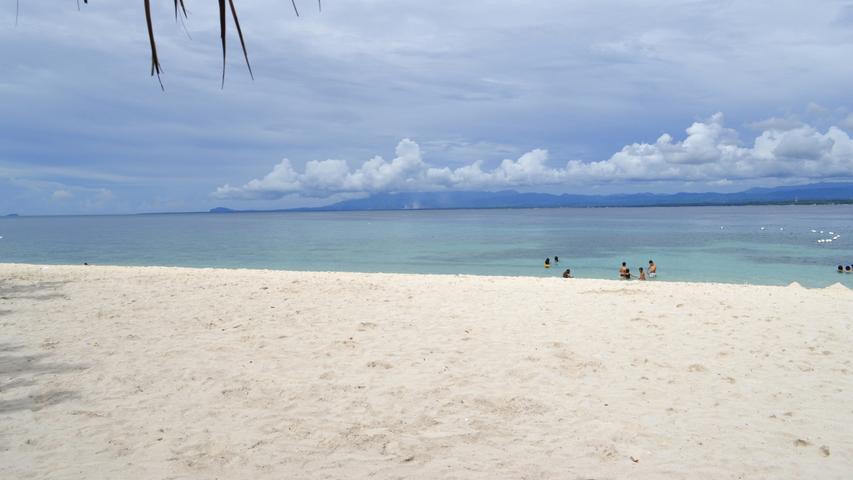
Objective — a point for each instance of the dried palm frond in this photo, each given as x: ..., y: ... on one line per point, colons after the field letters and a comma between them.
x: 181, y: 10
x: 155, y: 62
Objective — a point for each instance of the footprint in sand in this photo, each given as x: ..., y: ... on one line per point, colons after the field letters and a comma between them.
x: 379, y: 364
x: 696, y: 368
x: 366, y: 326
x: 801, y: 443
x: 824, y: 450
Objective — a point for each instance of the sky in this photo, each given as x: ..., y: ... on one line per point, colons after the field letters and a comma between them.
x: 375, y: 96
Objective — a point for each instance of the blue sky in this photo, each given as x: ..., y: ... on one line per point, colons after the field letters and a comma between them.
x: 397, y: 95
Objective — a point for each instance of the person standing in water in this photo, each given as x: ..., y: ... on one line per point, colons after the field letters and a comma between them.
x: 642, y: 274
x: 548, y: 262
x: 568, y: 273
x: 653, y: 269
x: 623, y: 271
x: 556, y: 259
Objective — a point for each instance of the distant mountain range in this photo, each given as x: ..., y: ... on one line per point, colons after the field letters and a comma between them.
x: 813, y: 193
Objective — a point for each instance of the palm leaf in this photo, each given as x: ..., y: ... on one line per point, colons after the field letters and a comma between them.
x: 181, y: 9
x: 155, y: 62
x: 222, y: 34
x: 240, y: 35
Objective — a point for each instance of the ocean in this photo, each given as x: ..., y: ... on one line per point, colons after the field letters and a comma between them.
x: 772, y: 245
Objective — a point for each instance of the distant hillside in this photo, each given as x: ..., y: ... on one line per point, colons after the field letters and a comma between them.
x: 813, y: 193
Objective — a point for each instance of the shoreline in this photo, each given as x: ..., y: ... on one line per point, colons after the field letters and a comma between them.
x: 658, y: 280
x: 165, y: 372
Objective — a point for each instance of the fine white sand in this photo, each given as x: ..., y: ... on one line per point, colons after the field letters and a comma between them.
x: 119, y: 373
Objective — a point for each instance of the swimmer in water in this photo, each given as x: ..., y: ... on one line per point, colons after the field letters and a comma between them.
x: 568, y: 274
x: 653, y: 269
x: 642, y: 274
x: 623, y: 271
x: 548, y: 262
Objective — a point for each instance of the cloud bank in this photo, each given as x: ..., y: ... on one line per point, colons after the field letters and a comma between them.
x: 474, y: 80
x: 710, y: 153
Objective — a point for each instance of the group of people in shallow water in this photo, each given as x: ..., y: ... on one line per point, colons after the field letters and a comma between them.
x: 845, y: 269
x: 624, y: 271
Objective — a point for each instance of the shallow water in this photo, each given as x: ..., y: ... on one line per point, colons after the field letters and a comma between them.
x: 720, y: 244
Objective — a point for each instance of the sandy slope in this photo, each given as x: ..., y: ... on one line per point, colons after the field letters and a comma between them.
x: 112, y: 372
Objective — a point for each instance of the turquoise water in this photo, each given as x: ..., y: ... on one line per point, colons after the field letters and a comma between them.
x: 687, y: 243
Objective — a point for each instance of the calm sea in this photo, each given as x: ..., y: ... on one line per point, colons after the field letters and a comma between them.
x: 757, y: 244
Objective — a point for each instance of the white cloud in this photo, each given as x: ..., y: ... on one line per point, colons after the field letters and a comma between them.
x: 324, y: 177
x: 816, y: 109
x: 776, y: 123
x: 100, y: 198
x: 710, y: 153
x: 847, y: 123
x: 529, y: 170
x: 62, y: 195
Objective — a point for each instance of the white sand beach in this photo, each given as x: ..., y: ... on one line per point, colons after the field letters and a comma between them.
x: 154, y: 373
